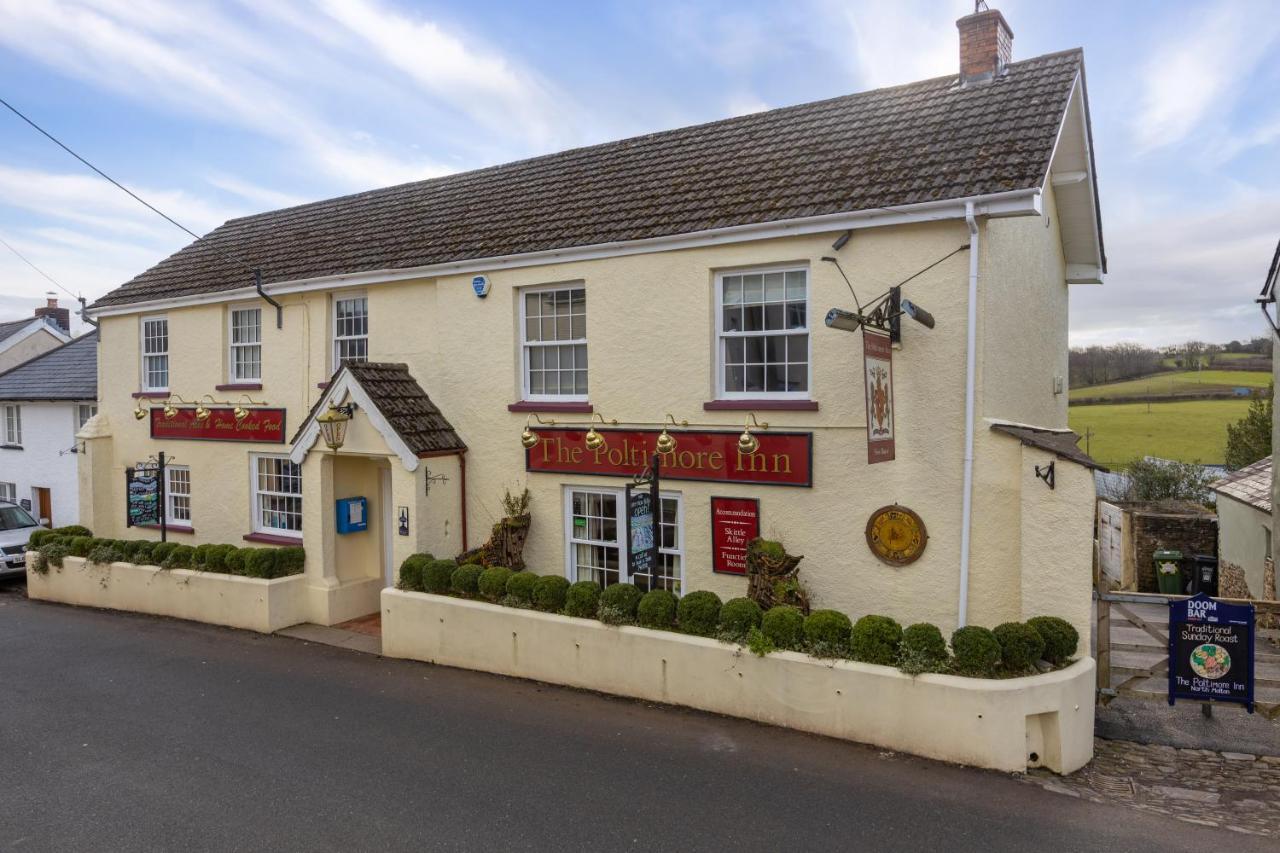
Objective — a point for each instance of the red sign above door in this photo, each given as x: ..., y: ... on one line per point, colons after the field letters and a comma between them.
x: 265, y: 425
x: 734, y: 523
x: 784, y: 458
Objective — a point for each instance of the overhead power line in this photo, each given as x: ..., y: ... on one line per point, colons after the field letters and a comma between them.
x: 28, y: 262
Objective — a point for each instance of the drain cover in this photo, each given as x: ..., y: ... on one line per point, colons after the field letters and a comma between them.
x: 1112, y: 786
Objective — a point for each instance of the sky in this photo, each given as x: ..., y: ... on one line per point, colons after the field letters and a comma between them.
x: 216, y: 110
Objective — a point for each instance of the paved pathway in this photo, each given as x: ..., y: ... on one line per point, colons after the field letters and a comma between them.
x: 1236, y: 791
x: 126, y: 732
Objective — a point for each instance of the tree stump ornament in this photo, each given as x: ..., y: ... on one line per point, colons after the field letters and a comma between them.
x: 505, y: 546
x: 772, y: 576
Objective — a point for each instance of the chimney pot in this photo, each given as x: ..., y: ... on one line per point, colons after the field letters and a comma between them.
x: 986, y: 45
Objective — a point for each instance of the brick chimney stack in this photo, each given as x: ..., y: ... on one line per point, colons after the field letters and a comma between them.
x: 51, y: 313
x: 986, y: 44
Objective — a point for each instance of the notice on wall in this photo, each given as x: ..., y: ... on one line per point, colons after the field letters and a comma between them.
x: 642, y: 531
x: 221, y: 425
x: 1211, y: 651
x: 143, y: 498
x: 877, y: 359
x: 734, y: 523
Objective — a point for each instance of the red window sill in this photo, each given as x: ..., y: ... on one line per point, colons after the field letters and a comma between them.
x: 571, y: 408
x: 272, y: 539
x: 172, y: 528
x: 150, y: 395
x: 323, y: 386
x: 761, y: 406
x: 239, y: 386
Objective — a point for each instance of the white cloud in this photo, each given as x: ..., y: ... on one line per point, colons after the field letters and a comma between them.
x: 887, y: 44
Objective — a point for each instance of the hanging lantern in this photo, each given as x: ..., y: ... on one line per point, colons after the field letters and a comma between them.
x: 333, y: 425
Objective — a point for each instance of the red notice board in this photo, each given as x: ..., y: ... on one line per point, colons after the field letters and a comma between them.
x: 734, y: 523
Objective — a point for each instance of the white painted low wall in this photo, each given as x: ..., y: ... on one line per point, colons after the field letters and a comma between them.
x: 238, y: 602
x: 995, y: 723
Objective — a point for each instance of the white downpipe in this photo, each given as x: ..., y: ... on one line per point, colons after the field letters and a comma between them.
x: 971, y: 366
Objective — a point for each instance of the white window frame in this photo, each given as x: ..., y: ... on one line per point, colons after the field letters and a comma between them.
x: 233, y: 373
x: 255, y: 493
x: 526, y: 345
x: 170, y: 515
x: 721, y: 393
x: 9, y: 492
x: 336, y: 339
x: 144, y: 355
x: 79, y: 410
x: 12, y: 425
x: 624, y: 566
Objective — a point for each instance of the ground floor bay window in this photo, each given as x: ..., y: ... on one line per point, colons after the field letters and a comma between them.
x: 595, y: 539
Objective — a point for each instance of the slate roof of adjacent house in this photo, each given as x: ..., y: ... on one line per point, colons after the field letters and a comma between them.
x: 1251, y: 485
x: 1062, y: 443
x: 12, y: 327
x: 403, y: 404
x: 927, y: 141
x: 69, y: 372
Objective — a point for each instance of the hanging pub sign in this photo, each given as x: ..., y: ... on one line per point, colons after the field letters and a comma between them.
x: 877, y: 360
x: 264, y: 425
x: 1211, y: 651
x: 734, y: 523
x: 643, y: 504
x: 143, y: 495
x: 783, y: 458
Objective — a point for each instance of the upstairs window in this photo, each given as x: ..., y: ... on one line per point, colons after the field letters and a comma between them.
x: 13, y: 426
x: 553, y: 334
x: 245, y: 337
x: 85, y: 411
x: 155, y: 354
x: 762, y: 322
x: 350, y: 330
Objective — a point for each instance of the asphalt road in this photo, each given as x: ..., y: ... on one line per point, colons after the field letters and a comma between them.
x: 126, y: 732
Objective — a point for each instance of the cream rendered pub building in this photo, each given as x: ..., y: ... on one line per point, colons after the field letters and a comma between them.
x: 677, y: 278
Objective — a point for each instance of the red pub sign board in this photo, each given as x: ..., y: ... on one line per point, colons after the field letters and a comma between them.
x: 265, y: 425
x: 734, y: 523
x: 784, y: 458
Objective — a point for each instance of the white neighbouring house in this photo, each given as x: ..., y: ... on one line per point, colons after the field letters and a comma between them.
x: 43, y: 404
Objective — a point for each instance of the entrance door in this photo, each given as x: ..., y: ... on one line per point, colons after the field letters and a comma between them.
x: 43, y: 505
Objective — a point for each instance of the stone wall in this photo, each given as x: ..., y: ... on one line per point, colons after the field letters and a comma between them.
x: 1154, y: 531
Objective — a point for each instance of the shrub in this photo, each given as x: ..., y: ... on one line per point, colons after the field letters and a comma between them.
x: 201, y: 556
x: 492, y: 584
x: 977, y: 651
x: 1020, y: 645
x: 657, y: 609
x: 923, y: 649
x: 51, y: 555
x: 180, y: 557
x: 411, y: 572
x: 140, y: 551
x: 826, y: 633
x: 582, y: 599
x: 215, y: 559
x: 549, y: 593
x: 783, y: 626
x: 73, y: 530
x: 465, y: 580
x: 759, y: 643
x: 618, y: 604
x: 160, y: 552
x: 103, y: 555
x: 37, y: 538
x: 290, y: 560
x: 262, y: 563
x: 235, y: 560
x: 738, y: 618
x: 520, y: 589
x: 875, y: 639
x: 437, y: 576
x: 1060, y: 638
x: 699, y: 613
x: 79, y: 546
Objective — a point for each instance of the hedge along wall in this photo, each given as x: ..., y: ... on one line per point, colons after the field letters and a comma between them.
x: 1004, y: 724
x: 218, y: 599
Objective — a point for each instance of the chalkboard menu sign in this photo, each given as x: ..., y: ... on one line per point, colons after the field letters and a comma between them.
x: 143, y: 496
x: 1211, y: 651
x: 642, y: 527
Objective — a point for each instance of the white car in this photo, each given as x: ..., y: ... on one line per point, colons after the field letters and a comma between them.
x: 16, y: 527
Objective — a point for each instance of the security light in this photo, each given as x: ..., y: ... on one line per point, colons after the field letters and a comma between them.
x: 841, y: 241
x: 915, y: 312
x: 840, y: 319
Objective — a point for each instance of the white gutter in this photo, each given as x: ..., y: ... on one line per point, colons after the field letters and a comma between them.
x: 971, y: 365
x: 1026, y: 202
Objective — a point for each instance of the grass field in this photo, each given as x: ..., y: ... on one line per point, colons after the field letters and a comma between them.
x: 1191, y: 431
x: 1187, y: 382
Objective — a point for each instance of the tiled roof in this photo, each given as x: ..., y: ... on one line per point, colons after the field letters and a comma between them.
x: 1062, y: 443
x: 13, y: 327
x: 1251, y: 484
x: 69, y: 372
x: 403, y: 404
x: 926, y: 141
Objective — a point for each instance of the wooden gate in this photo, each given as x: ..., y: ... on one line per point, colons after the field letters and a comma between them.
x: 1133, y: 648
